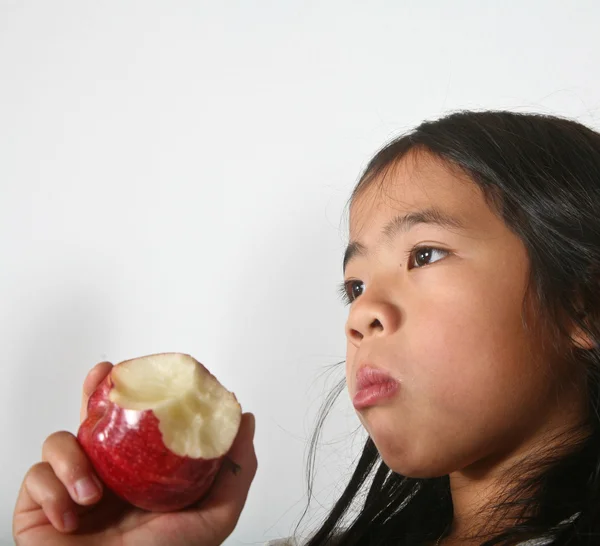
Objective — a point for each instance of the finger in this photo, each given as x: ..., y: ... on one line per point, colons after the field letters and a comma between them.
x: 41, y: 488
x: 228, y: 495
x: 92, y: 380
x: 72, y: 467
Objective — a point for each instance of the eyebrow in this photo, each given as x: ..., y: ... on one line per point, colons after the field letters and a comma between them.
x: 403, y: 224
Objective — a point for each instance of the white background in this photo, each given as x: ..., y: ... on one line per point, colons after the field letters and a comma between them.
x: 173, y: 177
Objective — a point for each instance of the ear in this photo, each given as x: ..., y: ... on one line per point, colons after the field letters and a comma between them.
x: 581, y: 339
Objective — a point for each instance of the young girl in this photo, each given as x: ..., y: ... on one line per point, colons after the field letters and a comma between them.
x: 472, y: 358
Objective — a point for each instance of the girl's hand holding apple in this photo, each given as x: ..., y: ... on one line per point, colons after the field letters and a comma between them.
x: 171, y: 444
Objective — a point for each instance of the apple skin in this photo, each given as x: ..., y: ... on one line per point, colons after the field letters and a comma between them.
x: 126, y: 449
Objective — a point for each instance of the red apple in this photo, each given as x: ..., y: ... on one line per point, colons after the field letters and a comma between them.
x: 157, y: 430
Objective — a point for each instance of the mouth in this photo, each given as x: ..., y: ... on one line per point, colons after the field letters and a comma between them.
x: 374, y: 386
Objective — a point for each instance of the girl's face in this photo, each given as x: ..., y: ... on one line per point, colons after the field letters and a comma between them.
x: 475, y: 387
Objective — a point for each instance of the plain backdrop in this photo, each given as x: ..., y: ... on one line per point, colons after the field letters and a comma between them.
x: 173, y: 177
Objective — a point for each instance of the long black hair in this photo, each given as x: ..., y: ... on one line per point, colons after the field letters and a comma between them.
x: 541, y: 175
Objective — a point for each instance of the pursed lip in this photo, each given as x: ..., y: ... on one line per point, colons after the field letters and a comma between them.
x: 374, y: 386
x: 367, y: 376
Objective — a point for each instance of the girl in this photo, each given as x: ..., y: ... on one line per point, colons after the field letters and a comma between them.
x: 472, y: 357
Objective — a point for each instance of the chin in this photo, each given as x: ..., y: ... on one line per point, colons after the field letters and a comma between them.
x: 410, y: 460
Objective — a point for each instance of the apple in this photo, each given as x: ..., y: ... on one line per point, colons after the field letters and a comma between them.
x: 157, y: 430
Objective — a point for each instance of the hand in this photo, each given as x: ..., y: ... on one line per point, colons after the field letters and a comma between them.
x: 50, y: 490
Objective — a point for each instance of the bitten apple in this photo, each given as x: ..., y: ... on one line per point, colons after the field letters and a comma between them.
x: 157, y: 430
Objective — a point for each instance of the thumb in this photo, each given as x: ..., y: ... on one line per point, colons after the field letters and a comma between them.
x: 227, y: 496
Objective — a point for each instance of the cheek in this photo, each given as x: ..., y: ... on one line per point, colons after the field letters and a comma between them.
x: 470, y: 347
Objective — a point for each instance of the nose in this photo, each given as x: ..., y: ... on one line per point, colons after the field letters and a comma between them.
x: 371, y: 318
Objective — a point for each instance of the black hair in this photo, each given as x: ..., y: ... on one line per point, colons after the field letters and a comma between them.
x: 541, y: 175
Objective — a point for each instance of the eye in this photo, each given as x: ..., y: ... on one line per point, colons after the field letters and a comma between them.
x: 422, y: 256
x: 350, y: 290
x: 418, y: 257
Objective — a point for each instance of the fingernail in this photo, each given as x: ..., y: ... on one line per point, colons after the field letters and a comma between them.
x: 86, y: 489
x: 69, y: 521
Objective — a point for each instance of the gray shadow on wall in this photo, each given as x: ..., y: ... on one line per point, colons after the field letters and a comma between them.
x: 59, y: 344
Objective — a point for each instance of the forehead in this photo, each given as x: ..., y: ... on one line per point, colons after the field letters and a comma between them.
x: 415, y: 182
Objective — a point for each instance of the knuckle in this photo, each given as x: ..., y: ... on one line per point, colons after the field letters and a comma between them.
x: 56, y: 439
x: 252, y: 467
x: 36, y: 471
x: 64, y: 455
x: 52, y: 496
x: 39, y: 480
x: 67, y: 469
x: 254, y: 460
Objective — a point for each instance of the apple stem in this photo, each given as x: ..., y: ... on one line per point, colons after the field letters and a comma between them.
x: 235, y: 468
